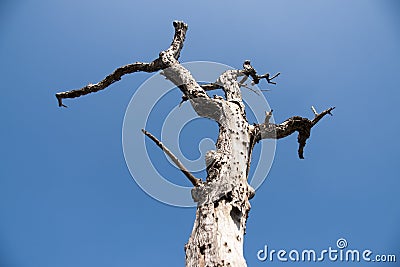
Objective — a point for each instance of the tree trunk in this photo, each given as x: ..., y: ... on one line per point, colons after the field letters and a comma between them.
x: 223, y: 200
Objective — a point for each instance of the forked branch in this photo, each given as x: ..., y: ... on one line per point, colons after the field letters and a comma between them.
x: 319, y: 116
x: 248, y: 70
x: 195, y: 181
x: 298, y: 124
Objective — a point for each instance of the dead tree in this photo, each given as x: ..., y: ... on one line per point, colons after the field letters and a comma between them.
x: 223, y: 197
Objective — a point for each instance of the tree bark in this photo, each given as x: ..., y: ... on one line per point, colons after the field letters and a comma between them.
x: 223, y: 198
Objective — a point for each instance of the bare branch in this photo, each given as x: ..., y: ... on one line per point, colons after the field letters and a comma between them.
x: 322, y: 114
x: 243, y: 80
x: 205, y: 87
x: 227, y: 82
x: 314, y: 111
x: 298, y: 124
x: 268, y: 115
x: 248, y: 70
x: 211, y: 86
x: 195, y: 181
x: 273, y: 77
x: 163, y: 61
x: 179, y: 38
x: 110, y: 79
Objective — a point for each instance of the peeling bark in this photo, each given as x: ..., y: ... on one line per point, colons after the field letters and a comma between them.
x: 223, y: 198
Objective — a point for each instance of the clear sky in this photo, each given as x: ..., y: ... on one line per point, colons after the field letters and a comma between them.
x: 66, y: 195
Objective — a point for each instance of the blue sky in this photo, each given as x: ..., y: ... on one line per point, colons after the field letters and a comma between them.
x: 66, y: 195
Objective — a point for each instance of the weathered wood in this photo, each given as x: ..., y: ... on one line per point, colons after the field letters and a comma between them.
x: 195, y: 181
x: 223, y: 198
x: 110, y: 79
x: 298, y: 124
x: 223, y: 201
